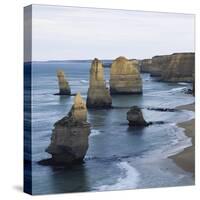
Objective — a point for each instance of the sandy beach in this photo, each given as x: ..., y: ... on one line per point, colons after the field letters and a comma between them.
x: 186, y: 159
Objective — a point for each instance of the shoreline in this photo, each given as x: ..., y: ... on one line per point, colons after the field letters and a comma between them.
x: 186, y: 158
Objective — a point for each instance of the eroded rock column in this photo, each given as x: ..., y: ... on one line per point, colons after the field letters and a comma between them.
x: 98, y: 95
x: 64, y: 88
x: 125, y: 77
x: 69, y: 141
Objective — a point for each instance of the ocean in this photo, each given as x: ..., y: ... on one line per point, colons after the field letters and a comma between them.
x: 118, y: 157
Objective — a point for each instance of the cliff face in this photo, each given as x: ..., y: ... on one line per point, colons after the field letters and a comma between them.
x: 180, y: 67
x: 64, y: 88
x: 146, y: 65
x: 135, y: 63
x: 69, y: 141
x: 158, y: 64
x: 98, y: 95
x: 125, y: 77
x: 173, y: 68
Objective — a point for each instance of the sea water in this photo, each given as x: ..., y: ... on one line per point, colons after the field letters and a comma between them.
x: 118, y: 157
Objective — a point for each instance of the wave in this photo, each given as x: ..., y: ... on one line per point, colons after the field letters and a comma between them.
x: 178, y: 89
x: 128, y: 180
x: 95, y: 132
x: 182, y: 83
x: 84, y: 81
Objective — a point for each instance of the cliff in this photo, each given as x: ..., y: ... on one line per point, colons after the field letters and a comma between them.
x: 146, y: 65
x: 174, y: 68
x: 125, y: 77
x: 98, y: 95
x: 69, y: 141
x: 180, y: 68
x: 64, y: 88
x: 159, y: 63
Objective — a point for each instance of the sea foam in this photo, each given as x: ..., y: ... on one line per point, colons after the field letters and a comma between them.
x: 128, y: 180
x: 95, y: 132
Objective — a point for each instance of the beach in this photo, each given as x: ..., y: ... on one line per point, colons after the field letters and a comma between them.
x: 186, y: 158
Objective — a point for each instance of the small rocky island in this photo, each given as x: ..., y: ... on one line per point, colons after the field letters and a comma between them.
x: 98, y: 95
x: 135, y: 117
x: 69, y: 141
x: 125, y: 77
x: 64, y: 88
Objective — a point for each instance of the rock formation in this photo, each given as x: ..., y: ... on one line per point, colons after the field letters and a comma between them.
x: 146, y: 65
x: 64, y: 88
x: 125, y: 77
x: 193, y: 84
x: 173, y: 68
x: 69, y: 141
x: 98, y: 95
x: 135, y: 62
x: 135, y: 117
x: 159, y: 63
x: 180, y: 68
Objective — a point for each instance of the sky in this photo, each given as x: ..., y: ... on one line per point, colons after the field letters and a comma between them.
x: 65, y: 33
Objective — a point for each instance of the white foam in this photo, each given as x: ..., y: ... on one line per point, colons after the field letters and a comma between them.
x: 84, y: 81
x: 182, y: 83
x: 129, y: 180
x: 178, y: 89
x: 95, y: 132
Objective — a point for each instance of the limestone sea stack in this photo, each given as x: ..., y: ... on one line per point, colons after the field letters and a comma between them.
x: 69, y: 141
x: 64, y: 88
x: 180, y: 68
x: 125, y: 77
x: 135, y: 117
x: 98, y: 95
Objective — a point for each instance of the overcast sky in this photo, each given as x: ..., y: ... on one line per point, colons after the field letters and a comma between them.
x: 62, y: 33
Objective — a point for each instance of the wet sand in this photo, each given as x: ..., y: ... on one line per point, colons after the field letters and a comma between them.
x: 186, y: 159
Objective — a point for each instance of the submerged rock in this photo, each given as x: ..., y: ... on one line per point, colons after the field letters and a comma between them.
x: 125, y: 77
x: 64, y: 88
x: 135, y: 117
x: 98, y: 95
x: 69, y: 141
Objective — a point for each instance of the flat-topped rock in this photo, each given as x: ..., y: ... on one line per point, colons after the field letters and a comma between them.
x: 125, y: 77
x: 98, y: 94
x: 63, y: 84
x: 69, y: 141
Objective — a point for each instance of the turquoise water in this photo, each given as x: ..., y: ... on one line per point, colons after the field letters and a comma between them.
x: 118, y: 157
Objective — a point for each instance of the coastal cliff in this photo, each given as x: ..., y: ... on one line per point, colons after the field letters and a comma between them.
x: 125, y: 77
x: 173, y: 68
x: 98, y: 95
x: 64, y: 88
x: 69, y: 141
x: 146, y: 65
x: 180, y: 68
x: 159, y: 63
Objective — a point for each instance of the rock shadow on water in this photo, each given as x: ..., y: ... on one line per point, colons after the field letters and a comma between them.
x: 69, y: 178
x: 136, y: 130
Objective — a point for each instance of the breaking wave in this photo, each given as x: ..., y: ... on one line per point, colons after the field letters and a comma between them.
x: 128, y: 180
